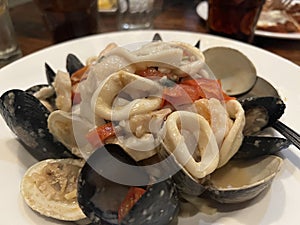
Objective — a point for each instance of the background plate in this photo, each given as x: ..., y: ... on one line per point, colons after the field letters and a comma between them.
x: 276, y: 206
x: 202, y: 11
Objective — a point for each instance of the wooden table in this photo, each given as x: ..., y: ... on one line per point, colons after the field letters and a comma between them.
x: 33, y: 35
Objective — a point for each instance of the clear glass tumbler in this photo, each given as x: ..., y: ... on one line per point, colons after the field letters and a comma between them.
x: 135, y: 14
x: 9, y: 48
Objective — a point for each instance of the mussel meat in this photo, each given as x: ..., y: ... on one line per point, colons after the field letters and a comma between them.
x: 261, y: 112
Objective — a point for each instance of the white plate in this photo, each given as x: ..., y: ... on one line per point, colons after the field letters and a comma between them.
x: 277, y: 206
x: 202, y: 11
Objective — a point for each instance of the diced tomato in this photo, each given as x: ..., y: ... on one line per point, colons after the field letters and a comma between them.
x: 154, y: 74
x: 133, y: 195
x: 79, y: 75
x: 180, y: 94
x: 76, y: 77
x: 150, y: 72
x: 208, y: 88
x: 190, y: 90
x: 225, y: 96
x: 76, y: 98
x: 97, y: 136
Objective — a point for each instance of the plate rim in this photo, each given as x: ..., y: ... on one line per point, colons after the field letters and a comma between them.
x: 207, y: 37
x: 153, y: 31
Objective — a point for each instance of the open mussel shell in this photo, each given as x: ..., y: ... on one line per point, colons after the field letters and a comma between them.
x: 185, y: 182
x: 159, y: 205
x: 73, y: 63
x: 255, y: 146
x: 261, y: 112
x: 36, y: 88
x: 100, y: 195
x: 236, y: 72
x: 27, y: 117
x: 45, y: 93
x: 50, y: 74
x: 242, y: 180
x: 156, y: 37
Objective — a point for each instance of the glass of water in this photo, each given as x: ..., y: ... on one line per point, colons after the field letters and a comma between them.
x: 9, y: 49
x: 136, y: 14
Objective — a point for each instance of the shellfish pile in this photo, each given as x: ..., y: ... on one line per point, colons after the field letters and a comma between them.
x: 124, y: 137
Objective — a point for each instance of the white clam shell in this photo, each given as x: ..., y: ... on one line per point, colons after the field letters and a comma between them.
x: 35, y: 199
x: 236, y: 72
x: 241, y: 180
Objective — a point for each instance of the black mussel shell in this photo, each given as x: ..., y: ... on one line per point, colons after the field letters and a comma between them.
x: 73, y: 63
x: 261, y: 88
x: 100, y: 197
x: 159, y: 205
x: 197, y: 45
x: 32, y: 90
x: 27, y: 118
x: 188, y: 185
x: 184, y: 181
x: 255, y: 146
x: 156, y: 37
x: 261, y: 112
x: 49, y: 99
x: 50, y: 74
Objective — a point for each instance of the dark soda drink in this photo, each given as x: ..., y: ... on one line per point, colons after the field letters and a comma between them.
x: 67, y: 19
x: 235, y: 19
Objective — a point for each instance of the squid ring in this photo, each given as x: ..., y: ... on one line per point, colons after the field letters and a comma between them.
x: 234, y: 138
x: 144, y: 94
x: 176, y: 144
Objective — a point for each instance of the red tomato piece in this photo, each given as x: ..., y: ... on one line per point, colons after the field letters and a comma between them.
x: 97, y: 136
x: 133, y: 195
x: 76, y: 77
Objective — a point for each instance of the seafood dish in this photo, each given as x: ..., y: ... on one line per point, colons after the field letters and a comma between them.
x: 280, y: 20
x: 136, y: 133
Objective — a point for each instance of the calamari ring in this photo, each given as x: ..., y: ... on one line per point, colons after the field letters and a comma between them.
x: 207, y: 147
x: 234, y: 138
x: 112, y: 86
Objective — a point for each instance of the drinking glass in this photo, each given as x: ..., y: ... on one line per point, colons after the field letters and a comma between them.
x: 137, y: 14
x: 68, y: 19
x: 9, y: 48
x: 235, y: 19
